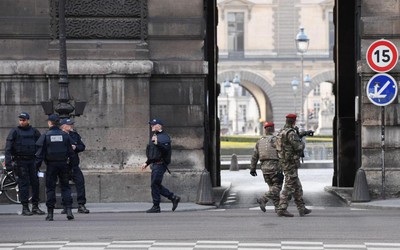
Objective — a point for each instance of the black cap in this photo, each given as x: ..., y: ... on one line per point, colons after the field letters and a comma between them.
x: 156, y: 121
x: 24, y: 115
x: 53, y: 118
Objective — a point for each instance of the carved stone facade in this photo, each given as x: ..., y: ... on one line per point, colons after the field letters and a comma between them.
x: 102, y: 19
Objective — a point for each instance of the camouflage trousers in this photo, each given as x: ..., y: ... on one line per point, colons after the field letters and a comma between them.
x: 273, y: 177
x: 292, y: 186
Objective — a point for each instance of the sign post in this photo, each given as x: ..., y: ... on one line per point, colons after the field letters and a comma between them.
x: 382, y: 56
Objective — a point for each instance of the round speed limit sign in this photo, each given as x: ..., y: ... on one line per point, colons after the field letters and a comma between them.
x: 382, y: 56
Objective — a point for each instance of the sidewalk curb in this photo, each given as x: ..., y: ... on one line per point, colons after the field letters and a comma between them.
x: 126, y: 207
x: 345, y: 194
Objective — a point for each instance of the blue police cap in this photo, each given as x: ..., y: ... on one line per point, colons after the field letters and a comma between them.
x: 156, y: 121
x: 53, y: 118
x: 67, y: 121
x: 24, y: 115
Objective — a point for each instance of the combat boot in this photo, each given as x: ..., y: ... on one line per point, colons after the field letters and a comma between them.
x: 36, y: 209
x: 284, y: 213
x: 25, y: 210
x: 262, y: 202
x: 70, y: 216
x: 82, y: 209
x: 154, y: 209
x: 175, y: 201
x: 50, y: 214
x: 304, y: 211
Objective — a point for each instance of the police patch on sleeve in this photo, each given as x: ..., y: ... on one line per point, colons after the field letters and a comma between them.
x: 56, y: 138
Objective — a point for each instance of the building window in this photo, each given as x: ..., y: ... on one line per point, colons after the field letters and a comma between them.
x: 236, y: 34
x: 317, y: 90
x: 222, y: 110
x: 317, y: 107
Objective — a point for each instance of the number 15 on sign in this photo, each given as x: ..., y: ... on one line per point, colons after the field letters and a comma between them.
x: 382, y: 56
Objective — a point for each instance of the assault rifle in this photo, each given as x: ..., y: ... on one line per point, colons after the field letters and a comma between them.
x: 301, y: 135
x: 305, y: 133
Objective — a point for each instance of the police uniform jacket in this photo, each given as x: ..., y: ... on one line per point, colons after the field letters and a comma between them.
x: 80, y: 146
x: 64, y: 146
x: 164, y: 146
x: 21, y: 143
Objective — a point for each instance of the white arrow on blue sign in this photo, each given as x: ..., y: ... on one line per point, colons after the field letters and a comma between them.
x: 382, y: 89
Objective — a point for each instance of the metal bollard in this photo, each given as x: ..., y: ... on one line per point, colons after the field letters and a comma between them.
x: 360, y: 190
x: 205, y: 194
x: 234, y: 163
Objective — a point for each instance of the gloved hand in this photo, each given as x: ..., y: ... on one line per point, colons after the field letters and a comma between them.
x: 9, y: 167
x: 253, y: 172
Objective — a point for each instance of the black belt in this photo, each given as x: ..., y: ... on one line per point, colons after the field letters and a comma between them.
x: 25, y: 158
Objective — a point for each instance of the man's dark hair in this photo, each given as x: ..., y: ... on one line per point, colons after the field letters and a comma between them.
x: 55, y: 123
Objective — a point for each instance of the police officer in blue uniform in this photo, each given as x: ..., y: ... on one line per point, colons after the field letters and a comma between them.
x: 55, y: 149
x: 158, y: 154
x: 67, y: 125
x: 20, y: 149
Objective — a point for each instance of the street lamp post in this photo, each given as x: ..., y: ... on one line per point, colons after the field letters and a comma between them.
x: 227, y: 85
x: 64, y: 108
x: 236, y: 82
x: 307, y: 82
x: 302, y: 42
x: 295, y: 86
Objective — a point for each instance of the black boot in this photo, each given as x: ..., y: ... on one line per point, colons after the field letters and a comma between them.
x: 304, y: 211
x: 36, y: 209
x: 175, y: 200
x: 82, y: 209
x: 50, y: 214
x: 25, y: 210
x: 262, y: 202
x: 284, y: 213
x: 70, y: 216
x: 154, y: 209
x: 64, y: 211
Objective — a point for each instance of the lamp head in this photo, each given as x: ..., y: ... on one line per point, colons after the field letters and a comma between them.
x: 302, y: 41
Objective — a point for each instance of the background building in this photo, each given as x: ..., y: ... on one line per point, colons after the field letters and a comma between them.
x: 257, y: 50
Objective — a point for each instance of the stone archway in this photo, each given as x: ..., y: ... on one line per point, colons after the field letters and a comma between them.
x: 327, y: 76
x: 318, y: 108
x: 257, y: 86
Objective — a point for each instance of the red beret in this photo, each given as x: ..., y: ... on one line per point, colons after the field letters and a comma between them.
x: 293, y: 116
x: 269, y: 124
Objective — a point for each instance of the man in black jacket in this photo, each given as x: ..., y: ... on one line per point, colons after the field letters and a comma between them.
x: 159, y: 156
x: 20, y: 152
x: 78, y: 146
x: 55, y: 148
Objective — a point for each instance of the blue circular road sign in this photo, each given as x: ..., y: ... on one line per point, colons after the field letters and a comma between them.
x: 382, y: 89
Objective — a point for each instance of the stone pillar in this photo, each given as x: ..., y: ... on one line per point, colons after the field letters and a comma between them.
x: 375, y: 25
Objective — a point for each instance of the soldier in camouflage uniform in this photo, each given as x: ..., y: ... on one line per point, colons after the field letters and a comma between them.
x: 265, y: 151
x: 290, y: 147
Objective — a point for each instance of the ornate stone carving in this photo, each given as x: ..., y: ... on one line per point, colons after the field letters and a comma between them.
x: 103, y: 19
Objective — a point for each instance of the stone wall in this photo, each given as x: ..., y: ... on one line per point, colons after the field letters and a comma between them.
x: 126, y: 82
x: 379, y: 20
